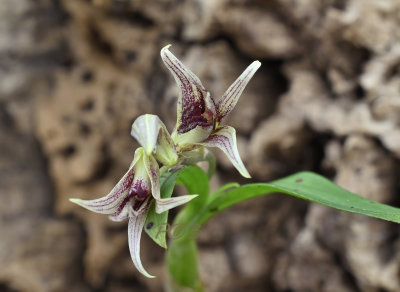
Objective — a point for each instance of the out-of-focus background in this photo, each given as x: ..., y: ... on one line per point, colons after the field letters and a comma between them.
x: 74, y: 75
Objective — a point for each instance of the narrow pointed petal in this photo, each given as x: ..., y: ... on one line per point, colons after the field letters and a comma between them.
x: 225, y: 139
x: 191, y: 106
x: 135, y: 227
x: 229, y: 99
x: 166, y: 204
x: 110, y: 203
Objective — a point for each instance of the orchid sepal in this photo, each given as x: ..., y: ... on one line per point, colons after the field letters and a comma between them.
x: 110, y: 203
x: 163, y: 205
x: 193, y: 99
x: 224, y: 138
x: 135, y: 228
x: 228, y: 100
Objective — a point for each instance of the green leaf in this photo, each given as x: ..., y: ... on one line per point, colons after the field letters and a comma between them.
x: 195, y: 181
x: 156, y: 225
x: 305, y: 185
x: 182, y: 254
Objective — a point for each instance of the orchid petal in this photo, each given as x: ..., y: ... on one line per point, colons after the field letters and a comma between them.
x: 192, y: 104
x: 229, y: 99
x: 187, y: 140
x: 224, y: 138
x: 165, y: 149
x: 145, y: 130
x: 135, y: 227
x: 110, y: 203
x: 163, y: 205
x: 152, y: 134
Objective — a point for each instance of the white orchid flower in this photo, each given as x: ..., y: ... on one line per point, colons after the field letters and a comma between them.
x: 131, y: 197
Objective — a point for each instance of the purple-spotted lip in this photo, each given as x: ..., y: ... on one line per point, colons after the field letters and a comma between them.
x: 193, y: 116
x: 138, y: 191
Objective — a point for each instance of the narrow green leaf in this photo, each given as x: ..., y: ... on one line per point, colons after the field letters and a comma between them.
x: 182, y: 254
x: 305, y: 185
x: 195, y: 181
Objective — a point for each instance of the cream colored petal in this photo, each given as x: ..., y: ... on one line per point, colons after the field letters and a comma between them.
x: 153, y: 172
x: 193, y: 99
x: 224, y: 138
x: 229, y: 99
x: 135, y: 227
x: 163, y: 205
x: 187, y: 140
x: 152, y: 134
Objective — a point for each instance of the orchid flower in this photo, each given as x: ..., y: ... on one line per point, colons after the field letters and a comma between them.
x: 131, y: 197
x: 199, y: 116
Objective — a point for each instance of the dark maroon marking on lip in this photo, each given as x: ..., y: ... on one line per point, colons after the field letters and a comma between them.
x: 136, y: 205
x: 122, y: 205
x: 299, y: 180
x: 139, y: 190
x: 192, y: 117
x: 149, y: 225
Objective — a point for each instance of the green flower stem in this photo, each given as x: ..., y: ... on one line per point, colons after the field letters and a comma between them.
x: 182, y: 265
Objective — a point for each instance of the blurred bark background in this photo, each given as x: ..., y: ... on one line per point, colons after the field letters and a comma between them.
x: 74, y: 75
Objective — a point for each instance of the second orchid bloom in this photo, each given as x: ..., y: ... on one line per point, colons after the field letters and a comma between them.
x: 199, y: 118
x: 199, y: 115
